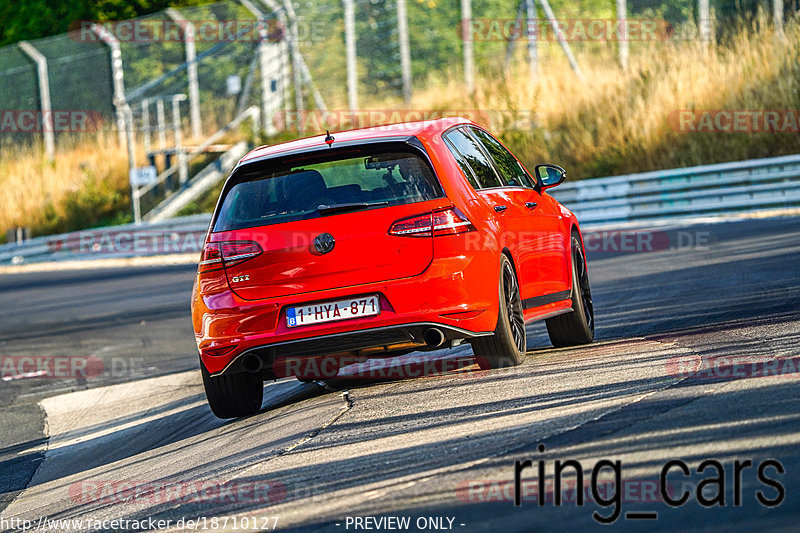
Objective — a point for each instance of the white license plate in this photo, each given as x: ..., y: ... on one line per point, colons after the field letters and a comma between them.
x: 332, y: 311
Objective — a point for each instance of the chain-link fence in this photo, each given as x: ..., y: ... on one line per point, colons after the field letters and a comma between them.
x: 18, y: 92
x: 305, y: 55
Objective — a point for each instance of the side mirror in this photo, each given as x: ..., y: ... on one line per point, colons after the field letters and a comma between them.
x: 550, y: 175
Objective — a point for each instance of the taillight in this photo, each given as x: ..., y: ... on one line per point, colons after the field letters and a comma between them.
x: 448, y: 221
x: 211, y: 258
x: 236, y: 252
x: 217, y: 255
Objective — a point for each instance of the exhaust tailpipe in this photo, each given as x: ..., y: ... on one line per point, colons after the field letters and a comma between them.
x: 433, y: 337
x: 252, y: 363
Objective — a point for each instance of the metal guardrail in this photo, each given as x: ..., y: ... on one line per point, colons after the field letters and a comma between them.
x: 70, y: 246
x: 726, y: 188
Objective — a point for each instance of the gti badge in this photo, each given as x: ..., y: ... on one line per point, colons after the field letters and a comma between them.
x: 324, y: 243
x: 243, y: 277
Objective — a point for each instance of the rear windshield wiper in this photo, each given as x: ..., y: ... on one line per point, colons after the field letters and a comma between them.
x: 343, y: 208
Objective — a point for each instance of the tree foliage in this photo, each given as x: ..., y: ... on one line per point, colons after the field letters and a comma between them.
x: 32, y: 19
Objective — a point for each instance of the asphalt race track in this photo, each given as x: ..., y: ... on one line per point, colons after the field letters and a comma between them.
x: 696, y: 358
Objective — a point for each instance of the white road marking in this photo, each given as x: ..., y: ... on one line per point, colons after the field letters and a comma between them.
x: 36, y: 374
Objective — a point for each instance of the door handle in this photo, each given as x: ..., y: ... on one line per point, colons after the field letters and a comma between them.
x: 500, y: 208
x: 530, y: 205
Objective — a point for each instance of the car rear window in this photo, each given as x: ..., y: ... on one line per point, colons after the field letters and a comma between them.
x: 285, y: 191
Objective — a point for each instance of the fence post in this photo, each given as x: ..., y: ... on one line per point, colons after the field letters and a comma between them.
x: 180, y: 155
x: 304, y: 72
x: 466, y: 40
x: 44, y: 97
x: 532, y: 33
x: 266, y: 124
x: 704, y: 23
x: 350, y: 50
x: 622, y: 20
x: 777, y: 15
x: 124, y: 113
x: 294, y: 49
x: 512, y: 42
x: 561, y: 40
x: 405, y: 49
x: 189, y: 36
x: 137, y: 209
x: 298, y: 63
x: 161, y: 127
x: 117, y: 78
x: 146, y: 125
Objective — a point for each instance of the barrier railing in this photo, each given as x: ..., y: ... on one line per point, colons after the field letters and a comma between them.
x: 724, y: 188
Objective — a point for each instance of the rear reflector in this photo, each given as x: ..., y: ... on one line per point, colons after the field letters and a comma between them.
x: 217, y: 255
x: 463, y: 315
x: 448, y: 221
x: 216, y: 352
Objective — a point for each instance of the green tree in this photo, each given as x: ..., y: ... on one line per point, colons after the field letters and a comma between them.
x: 32, y: 19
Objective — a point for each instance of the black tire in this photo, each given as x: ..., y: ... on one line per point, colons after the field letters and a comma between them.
x: 577, y: 327
x: 233, y: 396
x: 507, y: 346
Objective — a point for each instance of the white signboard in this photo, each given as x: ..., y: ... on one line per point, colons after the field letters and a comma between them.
x: 141, y: 176
x: 233, y: 84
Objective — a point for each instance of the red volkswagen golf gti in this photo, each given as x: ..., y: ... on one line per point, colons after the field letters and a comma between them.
x: 381, y: 241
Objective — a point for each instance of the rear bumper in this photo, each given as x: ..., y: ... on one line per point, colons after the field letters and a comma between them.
x: 367, y: 342
x: 457, y: 294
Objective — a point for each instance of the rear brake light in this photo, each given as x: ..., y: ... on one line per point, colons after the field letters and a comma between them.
x: 217, y: 255
x: 237, y: 252
x: 211, y: 258
x: 448, y: 221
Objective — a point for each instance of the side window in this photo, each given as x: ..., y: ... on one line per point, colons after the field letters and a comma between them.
x: 512, y: 174
x: 473, y: 161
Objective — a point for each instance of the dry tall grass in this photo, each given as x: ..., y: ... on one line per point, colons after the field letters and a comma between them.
x: 86, y: 184
x: 616, y: 122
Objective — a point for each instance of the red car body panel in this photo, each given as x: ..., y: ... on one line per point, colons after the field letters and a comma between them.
x: 444, y: 280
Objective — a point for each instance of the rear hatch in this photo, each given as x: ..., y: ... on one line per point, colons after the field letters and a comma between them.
x: 308, y: 223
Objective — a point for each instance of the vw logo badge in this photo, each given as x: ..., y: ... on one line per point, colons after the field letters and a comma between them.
x: 324, y: 243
